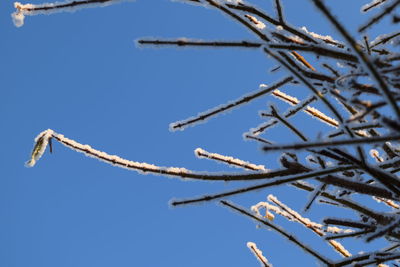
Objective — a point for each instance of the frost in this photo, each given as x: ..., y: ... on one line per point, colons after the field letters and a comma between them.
x: 260, y: 25
x: 41, y: 142
x: 268, y: 208
x: 233, y: 1
x: 368, y: 6
x: 56, y: 7
x: 375, y: 154
x: 259, y: 255
x: 204, y: 116
x: 201, y: 153
x: 18, y: 18
x: 315, y: 113
x: 315, y: 227
x: 116, y: 160
x: 318, y: 36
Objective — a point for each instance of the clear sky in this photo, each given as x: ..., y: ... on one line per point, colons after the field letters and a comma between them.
x: 82, y: 75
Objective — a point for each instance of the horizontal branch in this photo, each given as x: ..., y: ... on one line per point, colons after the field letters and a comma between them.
x: 197, y: 43
x: 299, y: 146
x: 308, y: 175
x: 43, y: 139
x: 317, y: 50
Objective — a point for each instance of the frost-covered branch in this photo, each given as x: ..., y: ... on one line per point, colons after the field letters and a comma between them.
x: 179, y: 125
x: 258, y: 254
x: 335, y: 171
x: 281, y: 231
x: 50, y: 8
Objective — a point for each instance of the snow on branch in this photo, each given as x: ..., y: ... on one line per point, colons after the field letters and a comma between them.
x: 315, y: 227
x: 315, y: 113
x: 258, y: 254
x: 50, y: 8
x: 44, y: 138
x: 201, y: 153
x: 281, y: 231
x: 336, y: 170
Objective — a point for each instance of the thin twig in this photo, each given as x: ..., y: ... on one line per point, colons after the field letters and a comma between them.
x: 197, y: 43
x: 378, y: 17
x: 205, y: 115
x: 280, y: 231
x: 362, y: 57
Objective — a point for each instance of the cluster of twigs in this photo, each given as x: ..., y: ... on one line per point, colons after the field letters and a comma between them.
x: 361, y: 107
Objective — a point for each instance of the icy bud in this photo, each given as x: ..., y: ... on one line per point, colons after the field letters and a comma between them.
x: 18, y: 16
x: 41, y: 142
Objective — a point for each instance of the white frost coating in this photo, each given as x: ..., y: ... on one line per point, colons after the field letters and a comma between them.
x: 315, y: 227
x: 315, y: 113
x: 232, y: 1
x: 260, y: 25
x: 43, y: 138
x: 18, y: 16
x: 318, y: 36
x: 287, y: 98
x: 295, y: 214
x: 381, y: 37
x: 41, y: 142
x: 388, y: 202
x: 375, y: 154
x: 268, y: 208
x: 259, y: 254
x: 50, y: 8
x: 366, y: 6
x: 201, y: 153
x: 113, y: 159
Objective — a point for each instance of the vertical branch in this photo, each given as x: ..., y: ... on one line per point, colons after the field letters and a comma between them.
x: 279, y: 11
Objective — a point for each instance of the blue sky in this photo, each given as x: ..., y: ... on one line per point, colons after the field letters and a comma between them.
x: 82, y: 75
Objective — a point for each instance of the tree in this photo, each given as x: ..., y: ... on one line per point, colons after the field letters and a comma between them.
x: 358, y: 98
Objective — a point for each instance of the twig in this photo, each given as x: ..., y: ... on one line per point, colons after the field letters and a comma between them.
x: 318, y: 51
x: 279, y: 11
x: 186, y: 42
x: 238, y: 18
x: 258, y: 254
x: 280, y: 231
x: 201, y: 153
x: 310, y: 225
x: 378, y: 17
x: 291, y: 112
x: 373, y: 4
x: 362, y: 57
x: 275, y: 114
x: 276, y: 182
x: 205, y: 115
x: 371, y: 140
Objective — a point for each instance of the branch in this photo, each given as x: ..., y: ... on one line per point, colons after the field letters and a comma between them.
x: 308, y: 175
x: 362, y: 57
x: 258, y: 254
x: 179, y: 125
x: 198, y: 43
x: 281, y: 231
x: 299, y: 146
x: 378, y: 17
x: 50, y: 8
